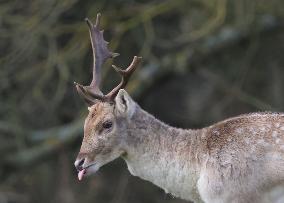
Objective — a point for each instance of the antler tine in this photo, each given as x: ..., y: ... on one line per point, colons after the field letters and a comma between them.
x: 98, y: 20
x: 125, y: 75
x: 82, y: 92
x: 100, y: 53
x: 87, y: 95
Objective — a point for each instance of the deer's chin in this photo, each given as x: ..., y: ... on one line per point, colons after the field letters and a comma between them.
x: 88, y: 171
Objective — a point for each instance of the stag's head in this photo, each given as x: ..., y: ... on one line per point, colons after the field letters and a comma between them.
x: 105, y: 126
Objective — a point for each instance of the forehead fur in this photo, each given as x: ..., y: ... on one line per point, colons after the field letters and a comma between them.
x: 97, y: 114
x: 100, y: 108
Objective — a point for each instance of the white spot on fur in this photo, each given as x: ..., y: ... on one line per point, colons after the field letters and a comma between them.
x: 203, y: 135
x: 216, y: 132
x: 247, y: 141
x: 262, y: 142
x: 274, y: 134
x: 239, y: 130
x: 276, y: 156
x: 262, y: 128
x: 282, y: 128
x: 252, y: 148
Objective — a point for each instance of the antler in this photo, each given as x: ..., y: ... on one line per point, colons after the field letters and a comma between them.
x: 125, y: 75
x: 101, y: 53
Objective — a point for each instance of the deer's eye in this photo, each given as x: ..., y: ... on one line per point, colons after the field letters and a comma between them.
x: 107, y: 124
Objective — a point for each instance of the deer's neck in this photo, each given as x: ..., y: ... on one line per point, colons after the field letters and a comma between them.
x: 164, y: 155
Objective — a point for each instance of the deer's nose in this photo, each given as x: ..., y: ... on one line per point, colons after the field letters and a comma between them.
x: 79, y: 164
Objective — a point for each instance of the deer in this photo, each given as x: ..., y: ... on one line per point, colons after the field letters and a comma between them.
x: 238, y: 160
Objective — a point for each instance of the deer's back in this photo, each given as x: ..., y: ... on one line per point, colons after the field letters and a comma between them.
x: 249, y: 132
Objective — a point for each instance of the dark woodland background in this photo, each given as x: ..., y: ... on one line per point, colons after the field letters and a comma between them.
x: 203, y: 61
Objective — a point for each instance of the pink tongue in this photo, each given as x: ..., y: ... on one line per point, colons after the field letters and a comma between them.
x: 81, y: 174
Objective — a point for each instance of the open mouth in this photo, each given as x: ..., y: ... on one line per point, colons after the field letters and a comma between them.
x: 87, y: 171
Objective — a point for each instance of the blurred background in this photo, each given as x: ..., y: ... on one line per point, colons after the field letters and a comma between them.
x: 203, y: 61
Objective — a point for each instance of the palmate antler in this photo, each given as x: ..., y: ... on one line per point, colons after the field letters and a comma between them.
x: 92, y: 93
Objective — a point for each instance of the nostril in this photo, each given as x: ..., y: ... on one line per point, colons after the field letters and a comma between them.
x: 79, y: 164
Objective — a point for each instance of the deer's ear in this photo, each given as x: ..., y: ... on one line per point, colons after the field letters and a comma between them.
x: 124, y: 103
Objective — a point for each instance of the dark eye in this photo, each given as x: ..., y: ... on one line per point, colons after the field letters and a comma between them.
x: 107, y: 124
